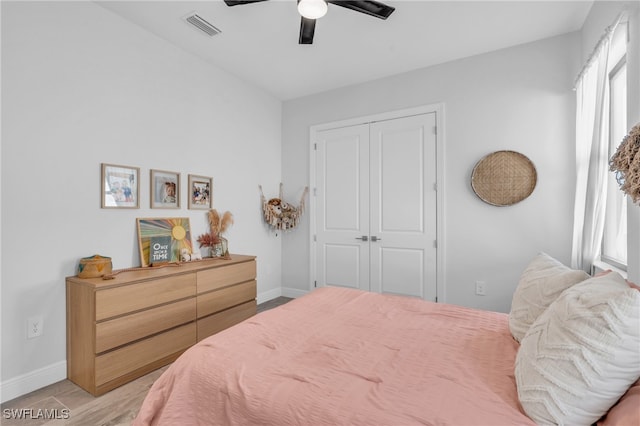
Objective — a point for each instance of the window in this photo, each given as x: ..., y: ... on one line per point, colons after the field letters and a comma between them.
x: 614, y: 241
x: 600, y: 221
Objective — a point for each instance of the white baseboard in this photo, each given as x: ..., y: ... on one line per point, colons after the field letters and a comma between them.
x: 293, y: 292
x: 22, y: 385
x: 268, y: 295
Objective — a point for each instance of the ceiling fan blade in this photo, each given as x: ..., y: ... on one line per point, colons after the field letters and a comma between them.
x: 238, y: 2
x: 370, y: 7
x: 307, y: 28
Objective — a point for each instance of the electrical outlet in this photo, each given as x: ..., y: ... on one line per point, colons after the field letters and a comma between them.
x: 481, y: 289
x: 34, y: 327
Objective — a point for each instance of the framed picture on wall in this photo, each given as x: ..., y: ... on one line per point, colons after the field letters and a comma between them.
x: 200, y: 192
x: 120, y: 187
x: 165, y: 189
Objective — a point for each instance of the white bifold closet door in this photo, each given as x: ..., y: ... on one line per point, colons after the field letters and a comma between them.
x: 376, y: 206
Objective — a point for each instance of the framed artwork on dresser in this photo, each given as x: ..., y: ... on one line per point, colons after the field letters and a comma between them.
x: 175, y: 230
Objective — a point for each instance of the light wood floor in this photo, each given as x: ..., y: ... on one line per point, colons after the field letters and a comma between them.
x: 65, y: 399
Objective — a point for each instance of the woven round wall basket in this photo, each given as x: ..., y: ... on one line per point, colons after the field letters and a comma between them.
x: 504, y: 178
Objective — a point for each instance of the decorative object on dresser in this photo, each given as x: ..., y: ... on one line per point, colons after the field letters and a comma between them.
x: 200, y: 188
x: 217, y: 244
x: 94, y: 266
x: 503, y: 178
x: 120, y: 186
x: 121, y: 329
x: 185, y: 256
x: 165, y: 189
x: 178, y: 229
x: 278, y: 214
x: 626, y: 164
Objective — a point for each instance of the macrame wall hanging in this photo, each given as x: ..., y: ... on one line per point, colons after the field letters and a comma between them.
x: 278, y: 214
x: 626, y: 164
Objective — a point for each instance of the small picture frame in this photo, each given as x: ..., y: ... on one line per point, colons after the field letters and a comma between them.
x: 165, y: 189
x: 120, y: 187
x: 200, y: 192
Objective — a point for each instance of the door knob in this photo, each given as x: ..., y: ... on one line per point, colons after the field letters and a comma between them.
x: 374, y: 238
x: 363, y: 238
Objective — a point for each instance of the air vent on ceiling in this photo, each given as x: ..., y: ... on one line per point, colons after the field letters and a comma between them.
x: 200, y: 23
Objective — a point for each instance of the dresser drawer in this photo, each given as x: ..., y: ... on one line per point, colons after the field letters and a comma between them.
x: 129, y: 298
x: 215, y: 278
x: 214, y: 301
x: 225, y: 319
x: 120, y: 362
x: 125, y: 329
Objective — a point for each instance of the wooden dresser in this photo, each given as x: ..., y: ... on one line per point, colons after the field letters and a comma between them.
x: 121, y: 329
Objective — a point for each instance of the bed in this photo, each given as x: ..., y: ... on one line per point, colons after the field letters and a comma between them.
x: 341, y: 356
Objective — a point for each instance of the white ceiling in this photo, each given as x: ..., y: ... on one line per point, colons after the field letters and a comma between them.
x: 259, y: 42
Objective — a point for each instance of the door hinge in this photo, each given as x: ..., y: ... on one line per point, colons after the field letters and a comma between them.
x: 435, y: 243
x: 435, y: 130
x: 315, y: 146
x: 315, y: 283
x: 436, y: 299
x: 435, y: 186
x: 315, y: 192
x: 315, y: 237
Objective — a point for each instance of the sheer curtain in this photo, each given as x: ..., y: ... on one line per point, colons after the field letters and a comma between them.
x: 592, y: 162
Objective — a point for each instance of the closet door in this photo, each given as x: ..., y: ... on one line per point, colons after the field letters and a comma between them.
x: 342, y: 208
x: 375, y: 225
x: 403, y: 206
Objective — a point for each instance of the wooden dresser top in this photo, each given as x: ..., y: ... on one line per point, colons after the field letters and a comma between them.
x: 150, y: 273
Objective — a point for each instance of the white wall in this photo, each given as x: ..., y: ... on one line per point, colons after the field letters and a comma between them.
x: 519, y: 98
x: 82, y: 86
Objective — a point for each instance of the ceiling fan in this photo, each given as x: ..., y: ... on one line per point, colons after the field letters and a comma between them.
x: 314, y: 9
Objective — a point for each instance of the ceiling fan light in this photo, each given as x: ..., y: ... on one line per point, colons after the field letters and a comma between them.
x: 312, y: 9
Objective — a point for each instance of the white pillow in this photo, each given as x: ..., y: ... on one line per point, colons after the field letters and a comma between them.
x: 540, y: 285
x: 581, y: 354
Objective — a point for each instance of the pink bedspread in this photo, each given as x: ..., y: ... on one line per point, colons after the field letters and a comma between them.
x: 340, y: 356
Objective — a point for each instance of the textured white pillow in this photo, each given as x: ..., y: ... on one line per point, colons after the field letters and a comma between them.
x: 581, y: 354
x: 540, y: 285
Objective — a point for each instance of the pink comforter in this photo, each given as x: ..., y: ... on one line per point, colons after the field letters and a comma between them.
x: 340, y: 356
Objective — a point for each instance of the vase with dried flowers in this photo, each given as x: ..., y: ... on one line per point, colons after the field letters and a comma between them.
x: 213, y: 239
x: 208, y: 241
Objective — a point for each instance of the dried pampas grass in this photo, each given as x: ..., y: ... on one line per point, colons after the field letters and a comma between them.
x: 217, y: 224
x: 214, y: 221
x: 226, y: 222
x: 626, y: 164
